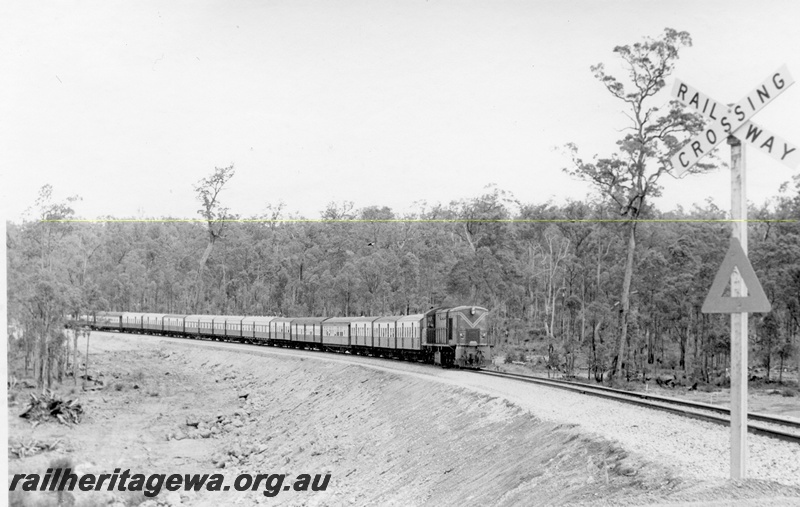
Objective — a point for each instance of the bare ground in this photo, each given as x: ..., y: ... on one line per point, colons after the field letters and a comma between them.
x: 386, y: 438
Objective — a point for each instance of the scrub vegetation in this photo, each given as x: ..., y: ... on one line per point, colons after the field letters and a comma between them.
x: 608, y: 286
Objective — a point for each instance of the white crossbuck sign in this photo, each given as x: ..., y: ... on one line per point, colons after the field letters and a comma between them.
x: 734, y: 120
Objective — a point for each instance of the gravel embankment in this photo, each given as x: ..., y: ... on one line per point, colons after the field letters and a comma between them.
x: 697, y: 449
x: 696, y: 452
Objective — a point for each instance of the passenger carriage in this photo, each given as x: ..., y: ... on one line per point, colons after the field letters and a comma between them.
x: 132, y: 321
x: 384, y: 332
x: 227, y: 327
x: 152, y: 322
x: 174, y: 324
x: 409, y: 331
x: 256, y: 329
x: 280, y: 329
x: 307, y: 330
x: 336, y: 332
x: 203, y: 325
x: 191, y: 325
x: 106, y: 320
x: 361, y: 331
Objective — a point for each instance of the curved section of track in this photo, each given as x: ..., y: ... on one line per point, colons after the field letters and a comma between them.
x: 774, y: 426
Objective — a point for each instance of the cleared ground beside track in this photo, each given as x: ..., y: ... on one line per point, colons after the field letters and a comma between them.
x: 386, y: 431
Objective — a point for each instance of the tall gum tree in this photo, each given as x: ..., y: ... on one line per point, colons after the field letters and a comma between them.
x: 208, y: 192
x: 629, y: 177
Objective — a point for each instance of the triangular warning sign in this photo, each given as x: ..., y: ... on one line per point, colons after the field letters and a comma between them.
x: 755, y: 301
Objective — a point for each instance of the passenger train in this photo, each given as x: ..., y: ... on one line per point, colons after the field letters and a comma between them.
x: 455, y: 336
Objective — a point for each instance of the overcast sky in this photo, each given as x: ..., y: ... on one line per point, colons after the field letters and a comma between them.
x: 128, y: 104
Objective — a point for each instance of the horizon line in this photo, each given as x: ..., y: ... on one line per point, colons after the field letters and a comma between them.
x: 416, y: 220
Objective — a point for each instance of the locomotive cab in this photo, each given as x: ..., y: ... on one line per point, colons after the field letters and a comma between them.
x: 470, y: 333
x: 459, y: 336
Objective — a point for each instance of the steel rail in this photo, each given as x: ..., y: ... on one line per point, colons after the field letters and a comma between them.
x: 681, y: 407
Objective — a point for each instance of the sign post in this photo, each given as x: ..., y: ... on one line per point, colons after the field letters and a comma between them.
x: 734, y: 123
x: 738, y: 320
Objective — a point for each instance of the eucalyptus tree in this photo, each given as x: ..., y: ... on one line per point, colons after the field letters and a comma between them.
x: 629, y: 177
x: 40, y: 294
x: 208, y: 191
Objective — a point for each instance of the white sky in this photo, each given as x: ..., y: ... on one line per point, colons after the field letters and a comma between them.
x: 128, y: 104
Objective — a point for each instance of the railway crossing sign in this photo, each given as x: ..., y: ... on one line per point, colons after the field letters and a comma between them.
x: 733, y: 120
x: 754, y: 301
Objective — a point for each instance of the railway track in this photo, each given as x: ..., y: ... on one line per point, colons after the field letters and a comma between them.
x: 773, y: 426
x: 778, y: 427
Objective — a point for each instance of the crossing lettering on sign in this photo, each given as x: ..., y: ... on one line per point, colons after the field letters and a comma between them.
x: 769, y: 143
x: 727, y: 120
x: 733, y: 122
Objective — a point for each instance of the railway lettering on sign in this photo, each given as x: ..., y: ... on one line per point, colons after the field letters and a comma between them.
x: 733, y: 120
x: 771, y: 144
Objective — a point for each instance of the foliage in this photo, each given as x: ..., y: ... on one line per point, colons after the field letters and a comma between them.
x: 552, y: 287
x: 46, y: 281
x: 629, y: 176
x: 558, y: 279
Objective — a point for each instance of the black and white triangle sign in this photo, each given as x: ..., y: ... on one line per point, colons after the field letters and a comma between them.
x: 755, y: 302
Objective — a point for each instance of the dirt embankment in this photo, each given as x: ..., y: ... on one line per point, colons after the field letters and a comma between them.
x: 384, y: 438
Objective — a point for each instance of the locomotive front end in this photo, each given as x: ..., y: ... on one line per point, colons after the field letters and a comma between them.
x: 470, y: 330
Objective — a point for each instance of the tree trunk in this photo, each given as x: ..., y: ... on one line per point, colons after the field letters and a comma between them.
x: 625, y: 300
x: 75, y: 359
x: 583, y: 312
x: 86, y: 364
x: 42, y: 359
x: 203, y: 261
